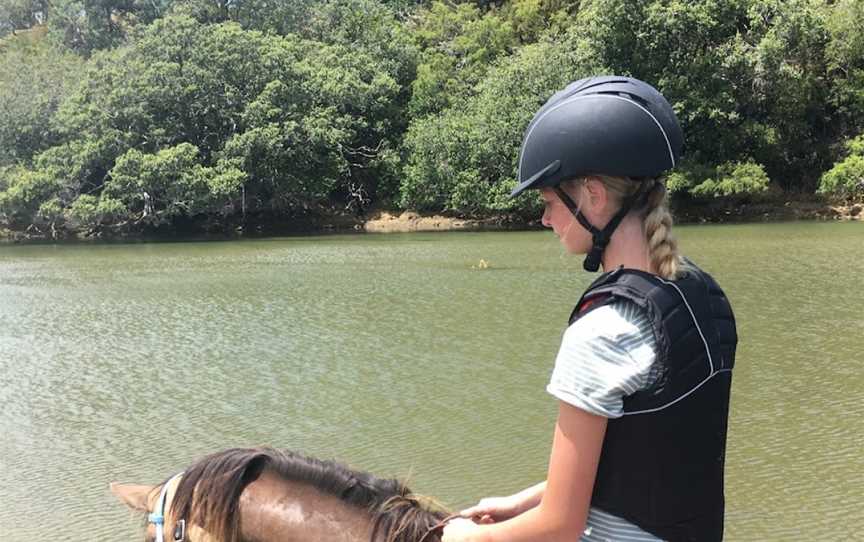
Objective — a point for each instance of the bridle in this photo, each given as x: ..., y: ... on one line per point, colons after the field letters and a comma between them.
x: 157, y: 516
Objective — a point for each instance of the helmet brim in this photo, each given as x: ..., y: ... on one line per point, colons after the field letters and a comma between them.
x: 536, y: 180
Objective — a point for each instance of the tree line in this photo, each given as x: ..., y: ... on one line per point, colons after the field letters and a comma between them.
x: 141, y: 115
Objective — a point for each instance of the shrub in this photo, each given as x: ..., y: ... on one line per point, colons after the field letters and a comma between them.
x: 90, y: 210
x: 734, y: 179
x: 846, y: 178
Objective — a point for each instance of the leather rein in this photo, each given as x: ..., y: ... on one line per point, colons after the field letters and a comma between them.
x: 439, y: 527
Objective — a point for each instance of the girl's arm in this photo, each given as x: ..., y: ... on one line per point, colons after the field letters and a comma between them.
x: 563, y: 509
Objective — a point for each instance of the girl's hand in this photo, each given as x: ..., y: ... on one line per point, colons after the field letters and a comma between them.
x: 494, y: 509
x: 459, y: 530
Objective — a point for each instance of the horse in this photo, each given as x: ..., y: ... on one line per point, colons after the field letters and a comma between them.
x: 267, y: 495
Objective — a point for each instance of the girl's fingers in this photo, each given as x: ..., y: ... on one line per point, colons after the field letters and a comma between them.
x: 472, y: 511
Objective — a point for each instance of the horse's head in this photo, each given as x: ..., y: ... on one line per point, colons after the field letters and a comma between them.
x: 156, y: 501
x: 285, y: 496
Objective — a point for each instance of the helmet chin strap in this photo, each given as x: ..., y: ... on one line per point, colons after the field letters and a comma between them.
x: 600, y: 237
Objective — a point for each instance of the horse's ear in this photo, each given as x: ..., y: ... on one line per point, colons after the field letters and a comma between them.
x: 134, y: 496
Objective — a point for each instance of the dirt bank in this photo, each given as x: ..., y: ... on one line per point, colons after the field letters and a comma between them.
x: 409, y: 221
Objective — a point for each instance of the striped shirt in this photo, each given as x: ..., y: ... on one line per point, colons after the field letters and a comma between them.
x: 605, y: 356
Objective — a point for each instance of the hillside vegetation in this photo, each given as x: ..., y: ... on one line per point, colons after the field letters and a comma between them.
x: 128, y: 116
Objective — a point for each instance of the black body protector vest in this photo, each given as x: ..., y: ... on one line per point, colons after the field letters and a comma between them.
x: 661, y: 466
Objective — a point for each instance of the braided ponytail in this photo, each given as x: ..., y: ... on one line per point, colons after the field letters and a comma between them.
x: 662, y: 245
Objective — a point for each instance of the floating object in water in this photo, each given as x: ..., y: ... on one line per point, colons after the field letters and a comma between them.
x: 483, y: 264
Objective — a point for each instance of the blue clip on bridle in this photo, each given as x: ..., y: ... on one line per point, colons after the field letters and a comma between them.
x: 157, y: 518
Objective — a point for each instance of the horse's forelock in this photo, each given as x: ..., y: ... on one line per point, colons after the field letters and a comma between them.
x: 404, y: 519
x: 208, y: 494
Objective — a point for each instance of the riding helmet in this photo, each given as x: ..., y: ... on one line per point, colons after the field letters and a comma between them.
x: 609, y: 125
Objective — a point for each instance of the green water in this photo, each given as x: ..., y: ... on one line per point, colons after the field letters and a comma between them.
x: 125, y: 362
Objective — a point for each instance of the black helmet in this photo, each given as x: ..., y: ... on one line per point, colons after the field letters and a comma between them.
x: 609, y: 125
x: 600, y: 125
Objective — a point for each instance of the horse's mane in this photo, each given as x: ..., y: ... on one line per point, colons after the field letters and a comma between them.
x: 208, y: 494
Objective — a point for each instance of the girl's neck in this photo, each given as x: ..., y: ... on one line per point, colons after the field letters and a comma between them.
x: 628, y: 247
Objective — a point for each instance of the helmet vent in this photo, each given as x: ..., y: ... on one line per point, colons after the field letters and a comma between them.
x: 632, y: 97
x: 590, y: 83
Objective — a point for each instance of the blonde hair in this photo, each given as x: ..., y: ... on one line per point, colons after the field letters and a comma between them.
x: 656, y: 222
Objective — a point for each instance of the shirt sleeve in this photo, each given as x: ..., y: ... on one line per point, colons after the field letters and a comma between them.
x: 605, y: 356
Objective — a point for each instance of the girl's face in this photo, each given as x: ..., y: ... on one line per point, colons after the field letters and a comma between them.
x: 557, y: 216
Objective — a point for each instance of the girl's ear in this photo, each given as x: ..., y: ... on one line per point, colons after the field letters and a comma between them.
x: 136, y: 497
x: 596, y: 194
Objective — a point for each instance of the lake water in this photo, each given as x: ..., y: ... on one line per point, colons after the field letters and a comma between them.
x: 394, y: 354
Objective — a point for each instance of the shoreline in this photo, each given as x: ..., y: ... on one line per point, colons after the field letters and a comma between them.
x: 390, y: 221
x: 410, y: 221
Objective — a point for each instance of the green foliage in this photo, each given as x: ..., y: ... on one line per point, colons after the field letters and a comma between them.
x: 740, y: 180
x: 465, y: 159
x: 87, y: 26
x: 368, y: 26
x: 193, y: 119
x: 91, y: 211
x: 745, y: 76
x: 532, y: 19
x: 156, y: 187
x: 846, y: 178
x: 24, y: 192
x: 159, y: 186
x: 50, y: 210
x: 687, y: 176
x: 790, y: 72
x: 856, y: 145
x: 84, y: 209
x: 458, y: 44
x: 733, y: 179
x: 36, y: 77
x: 845, y: 55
